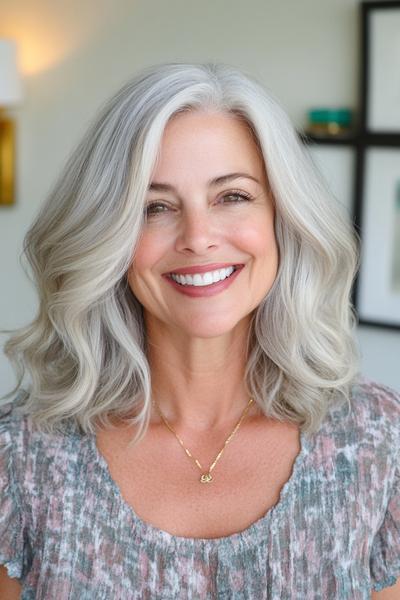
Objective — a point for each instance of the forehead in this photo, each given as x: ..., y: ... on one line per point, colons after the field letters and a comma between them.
x: 210, y: 142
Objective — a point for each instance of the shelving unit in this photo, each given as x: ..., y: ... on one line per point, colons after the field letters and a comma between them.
x: 362, y: 141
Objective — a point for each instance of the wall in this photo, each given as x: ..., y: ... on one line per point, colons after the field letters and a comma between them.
x: 74, y: 55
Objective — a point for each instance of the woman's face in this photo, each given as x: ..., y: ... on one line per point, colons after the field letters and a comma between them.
x: 193, y: 221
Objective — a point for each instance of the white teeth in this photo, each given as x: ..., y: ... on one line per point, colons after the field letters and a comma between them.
x: 201, y: 279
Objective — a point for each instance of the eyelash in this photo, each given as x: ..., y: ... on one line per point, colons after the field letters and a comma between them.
x: 244, y: 198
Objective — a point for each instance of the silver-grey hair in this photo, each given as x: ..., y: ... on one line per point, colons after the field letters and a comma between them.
x: 85, y: 351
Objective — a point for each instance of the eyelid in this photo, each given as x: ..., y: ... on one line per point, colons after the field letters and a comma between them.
x: 238, y: 192
x: 225, y: 193
x: 234, y: 192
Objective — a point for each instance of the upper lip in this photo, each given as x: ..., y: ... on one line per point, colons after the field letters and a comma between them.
x: 202, y: 268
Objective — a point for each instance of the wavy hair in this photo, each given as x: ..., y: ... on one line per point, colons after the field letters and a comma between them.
x: 83, y: 357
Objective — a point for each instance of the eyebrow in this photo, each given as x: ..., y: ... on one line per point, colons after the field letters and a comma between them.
x: 166, y: 187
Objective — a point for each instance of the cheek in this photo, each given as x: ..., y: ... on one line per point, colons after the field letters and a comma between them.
x: 149, y: 251
x: 268, y: 246
x: 257, y: 239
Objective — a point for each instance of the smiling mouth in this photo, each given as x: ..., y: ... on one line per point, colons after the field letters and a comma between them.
x: 198, y: 280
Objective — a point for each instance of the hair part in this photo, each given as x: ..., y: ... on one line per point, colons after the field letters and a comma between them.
x: 83, y: 357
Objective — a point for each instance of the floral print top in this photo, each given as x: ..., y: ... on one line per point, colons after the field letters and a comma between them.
x: 67, y: 533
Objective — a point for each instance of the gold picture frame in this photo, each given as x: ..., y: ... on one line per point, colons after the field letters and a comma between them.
x: 7, y: 160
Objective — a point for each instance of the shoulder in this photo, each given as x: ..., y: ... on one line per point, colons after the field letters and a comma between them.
x: 32, y: 455
x: 363, y: 435
x: 384, y: 396
x: 36, y: 467
x: 13, y: 438
x: 371, y: 437
x: 376, y: 407
x: 373, y: 408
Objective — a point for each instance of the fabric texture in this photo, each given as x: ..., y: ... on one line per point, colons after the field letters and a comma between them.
x: 67, y: 533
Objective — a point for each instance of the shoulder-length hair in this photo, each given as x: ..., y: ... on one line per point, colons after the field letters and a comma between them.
x: 85, y: 351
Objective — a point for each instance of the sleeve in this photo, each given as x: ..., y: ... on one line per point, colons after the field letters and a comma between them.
x: 14, y: 553
x: 385, y: 551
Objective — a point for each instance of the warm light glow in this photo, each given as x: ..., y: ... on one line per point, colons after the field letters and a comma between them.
x: 40, y: 54
x: 36, y: 52
x: 48, y: 33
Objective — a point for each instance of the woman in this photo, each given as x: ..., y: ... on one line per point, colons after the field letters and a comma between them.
x: 195, y: 425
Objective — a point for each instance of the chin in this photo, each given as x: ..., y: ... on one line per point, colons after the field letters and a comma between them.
x: 211, y: 328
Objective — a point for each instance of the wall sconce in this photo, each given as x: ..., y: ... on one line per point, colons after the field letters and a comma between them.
x: 10, y: 95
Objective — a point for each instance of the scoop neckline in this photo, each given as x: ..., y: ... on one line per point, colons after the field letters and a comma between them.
x: 251, y: 535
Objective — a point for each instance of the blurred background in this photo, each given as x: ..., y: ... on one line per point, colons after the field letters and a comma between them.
x: 73, y: 55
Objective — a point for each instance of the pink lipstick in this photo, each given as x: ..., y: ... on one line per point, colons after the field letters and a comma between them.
x: 204, y: 291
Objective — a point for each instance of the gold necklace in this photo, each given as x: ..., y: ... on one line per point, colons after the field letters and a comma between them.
x: 205, y: 477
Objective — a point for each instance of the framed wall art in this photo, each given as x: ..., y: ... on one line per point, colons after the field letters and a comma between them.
x: 377, y: 190
x: 382, y: 63
x: 375, y: 146
x: 379, y: 276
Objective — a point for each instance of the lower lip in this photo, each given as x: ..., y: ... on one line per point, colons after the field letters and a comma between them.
x: 201, y: 291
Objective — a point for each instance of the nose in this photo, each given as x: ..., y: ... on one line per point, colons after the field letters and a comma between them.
x: 197, y: 232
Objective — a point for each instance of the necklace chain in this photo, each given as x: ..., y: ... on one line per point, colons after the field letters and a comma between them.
x: 205, y: 477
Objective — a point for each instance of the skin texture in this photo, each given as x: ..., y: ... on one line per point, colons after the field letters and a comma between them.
x: 196, y: 345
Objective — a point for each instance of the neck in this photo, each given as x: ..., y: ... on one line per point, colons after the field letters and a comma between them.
x: 198, y: 384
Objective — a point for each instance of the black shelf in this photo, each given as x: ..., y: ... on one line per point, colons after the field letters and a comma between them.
x: 329, y: 140
x: 362, y: 138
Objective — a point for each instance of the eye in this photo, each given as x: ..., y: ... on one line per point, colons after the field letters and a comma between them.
x: 240, y: 197
x: 234, y: 197
x: 152, y: 206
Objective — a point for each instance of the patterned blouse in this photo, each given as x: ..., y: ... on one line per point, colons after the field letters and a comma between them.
x: 67, y: 533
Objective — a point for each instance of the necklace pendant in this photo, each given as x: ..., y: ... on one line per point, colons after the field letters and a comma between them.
x: 206, y: 478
